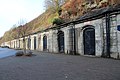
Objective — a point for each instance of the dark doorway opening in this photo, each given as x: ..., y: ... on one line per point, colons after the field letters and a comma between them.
x: 45, y: 42
x: 34, y: 43
x: 61, y: 41
x: 89, y: 41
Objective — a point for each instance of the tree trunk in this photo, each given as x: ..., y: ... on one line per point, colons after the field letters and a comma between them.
x: 24, y: 45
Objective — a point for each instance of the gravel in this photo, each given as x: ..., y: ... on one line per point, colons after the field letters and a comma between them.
x: 48, y: 66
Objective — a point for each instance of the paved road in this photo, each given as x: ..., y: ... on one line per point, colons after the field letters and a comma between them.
x: 46, y: 66
x: 5, y: 52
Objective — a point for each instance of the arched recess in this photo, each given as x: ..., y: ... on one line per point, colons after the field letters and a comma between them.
x: 89, y: 40
x: 34, y: 43
x: 45, y: 42
x: 61, y: 41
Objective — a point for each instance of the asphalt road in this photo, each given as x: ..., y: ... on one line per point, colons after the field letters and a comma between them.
x: 47, y: 66
x: 5, y: 52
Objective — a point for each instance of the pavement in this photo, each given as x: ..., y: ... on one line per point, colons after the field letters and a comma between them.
x: 48, y: 66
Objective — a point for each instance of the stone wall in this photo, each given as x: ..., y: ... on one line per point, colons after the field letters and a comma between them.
x: 100, y: 38
x: 118, y: 37
x: 113, y: 35
x: 97, y: 24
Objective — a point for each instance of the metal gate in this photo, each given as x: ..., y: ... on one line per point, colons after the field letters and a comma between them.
x: 45, y: 42
x: 34, y: 43
x: 61, y: 41
x: 89, y: 41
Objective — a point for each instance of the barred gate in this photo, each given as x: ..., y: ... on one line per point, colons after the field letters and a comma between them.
x: 89, y: 41
x: 45, y: 42
x: 61, y: 41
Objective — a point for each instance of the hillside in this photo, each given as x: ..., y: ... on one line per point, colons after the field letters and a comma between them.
x: 72, y: 9
x: 76, y: 8
x: 42, y: 22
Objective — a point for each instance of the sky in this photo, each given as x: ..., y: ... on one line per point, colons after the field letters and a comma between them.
x: 12, y: 11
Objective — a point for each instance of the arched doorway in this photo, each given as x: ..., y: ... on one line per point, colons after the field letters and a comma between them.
x: 34, y: 43
x: 61, y: 41
x: 45, y: 42
x: 89, y: 40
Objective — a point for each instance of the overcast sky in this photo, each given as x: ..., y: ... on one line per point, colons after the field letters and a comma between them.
x: 11, y: 11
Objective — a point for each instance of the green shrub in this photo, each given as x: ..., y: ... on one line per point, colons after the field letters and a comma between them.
x: 57, y: 21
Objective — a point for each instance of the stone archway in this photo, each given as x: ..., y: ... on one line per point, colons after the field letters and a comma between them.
x: 89, y: 40
x: 61, y: 41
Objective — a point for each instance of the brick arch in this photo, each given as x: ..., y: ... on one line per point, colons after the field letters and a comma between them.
x: 87, y: 26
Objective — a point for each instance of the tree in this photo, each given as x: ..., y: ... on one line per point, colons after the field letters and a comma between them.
x: 54, y: 5
x: 22, y: 31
